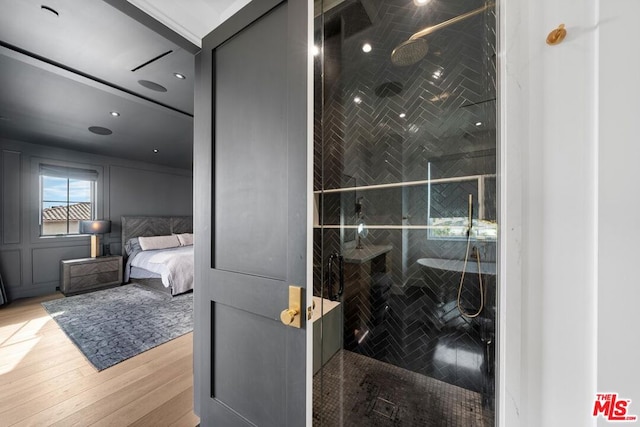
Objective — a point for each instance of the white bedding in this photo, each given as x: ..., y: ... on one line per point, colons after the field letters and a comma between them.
x: 175, y: 266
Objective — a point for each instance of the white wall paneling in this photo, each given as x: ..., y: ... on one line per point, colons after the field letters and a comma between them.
x: 569, y: 151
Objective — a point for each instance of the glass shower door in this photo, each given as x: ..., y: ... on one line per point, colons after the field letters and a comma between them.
x: 405, y: 235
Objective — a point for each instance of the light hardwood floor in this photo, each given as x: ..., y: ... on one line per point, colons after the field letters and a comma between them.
x: 45, y: 380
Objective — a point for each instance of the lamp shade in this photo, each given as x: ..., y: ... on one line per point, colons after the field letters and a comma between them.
x: 95, y: 227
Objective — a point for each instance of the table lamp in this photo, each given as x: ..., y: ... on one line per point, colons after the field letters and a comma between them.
x: 94, y: 228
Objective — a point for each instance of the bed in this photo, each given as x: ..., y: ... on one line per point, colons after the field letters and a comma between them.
x: 158, y: 252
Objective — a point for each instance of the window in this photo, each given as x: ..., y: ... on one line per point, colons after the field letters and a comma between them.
x: 448, y: 208
x: 67, y: 196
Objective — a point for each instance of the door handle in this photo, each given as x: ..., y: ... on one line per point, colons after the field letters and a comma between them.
x: 340, y: 259
x: 341, y: 275
x: 292, y: 316
x: 330, y: 277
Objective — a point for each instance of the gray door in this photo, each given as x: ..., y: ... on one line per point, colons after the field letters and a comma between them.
x: 251, y: 217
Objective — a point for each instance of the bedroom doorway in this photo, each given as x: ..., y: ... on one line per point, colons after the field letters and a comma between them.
x: 405, y: 192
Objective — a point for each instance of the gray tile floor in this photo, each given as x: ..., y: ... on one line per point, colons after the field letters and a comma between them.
x: 355, y: 390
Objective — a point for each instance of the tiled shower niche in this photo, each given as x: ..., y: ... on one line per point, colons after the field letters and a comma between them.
x: 397, y: 148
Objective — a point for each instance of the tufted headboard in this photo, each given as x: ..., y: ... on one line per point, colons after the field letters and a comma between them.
x: 135, y: 226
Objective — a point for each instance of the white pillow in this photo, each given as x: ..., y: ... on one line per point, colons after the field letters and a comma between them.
x: 158, y: 242
x: 186, y: 239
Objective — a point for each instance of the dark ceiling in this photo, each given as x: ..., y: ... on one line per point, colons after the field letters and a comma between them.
x: 65, y: 65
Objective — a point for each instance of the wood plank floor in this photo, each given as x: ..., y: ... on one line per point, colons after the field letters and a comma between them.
x: 45, y: 380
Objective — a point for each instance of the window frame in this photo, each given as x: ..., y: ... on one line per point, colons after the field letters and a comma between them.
x: 98, y: 207
x: 68, y: 202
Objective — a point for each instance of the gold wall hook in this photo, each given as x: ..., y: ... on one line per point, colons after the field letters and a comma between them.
x: 556, y: 36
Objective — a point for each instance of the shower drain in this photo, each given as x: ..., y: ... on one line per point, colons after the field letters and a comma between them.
x: 385, y: 408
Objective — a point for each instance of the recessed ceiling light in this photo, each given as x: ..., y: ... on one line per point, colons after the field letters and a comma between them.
x: 99, y: 130
x: 478, y: 123
x: 403, y: 115
x: 357, y: 100
x: 179, y: 76
x: 316, y: 50
x: 366, y: 48
x: 420, y: 2
x: 155, y: 150
x: 115, y: 114
x: 50, y: 10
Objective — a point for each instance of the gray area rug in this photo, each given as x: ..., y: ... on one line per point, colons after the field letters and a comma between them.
x: 114, y: 324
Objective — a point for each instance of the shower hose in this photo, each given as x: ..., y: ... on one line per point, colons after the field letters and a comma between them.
x: 464, y: 269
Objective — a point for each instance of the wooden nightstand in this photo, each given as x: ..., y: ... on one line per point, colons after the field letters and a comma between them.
x: 89, y: 274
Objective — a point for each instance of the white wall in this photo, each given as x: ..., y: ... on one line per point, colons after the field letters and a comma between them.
x: 618, y: 205
x: 567, y: 149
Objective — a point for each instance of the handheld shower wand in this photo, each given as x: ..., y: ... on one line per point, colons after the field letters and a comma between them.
x: 470, y: 217
x: 464, y: 267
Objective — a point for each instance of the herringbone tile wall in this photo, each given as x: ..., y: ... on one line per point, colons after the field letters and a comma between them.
x: 376, y: 123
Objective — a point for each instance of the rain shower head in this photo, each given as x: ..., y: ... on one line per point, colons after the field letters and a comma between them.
x: 409, y: 52
x: 413, y: 50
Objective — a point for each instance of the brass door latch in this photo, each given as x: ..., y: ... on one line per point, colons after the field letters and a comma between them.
x: 292, y: 316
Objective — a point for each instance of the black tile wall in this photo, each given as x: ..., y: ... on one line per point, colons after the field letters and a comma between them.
x: 413, y: 324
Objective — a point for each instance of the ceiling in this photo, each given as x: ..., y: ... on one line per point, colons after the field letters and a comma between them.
x: 65, y: 65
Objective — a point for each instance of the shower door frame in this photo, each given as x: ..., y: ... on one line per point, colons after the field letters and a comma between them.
x: 501, y: 213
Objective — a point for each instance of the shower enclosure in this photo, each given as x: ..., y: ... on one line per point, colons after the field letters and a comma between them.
x: 405, y: 200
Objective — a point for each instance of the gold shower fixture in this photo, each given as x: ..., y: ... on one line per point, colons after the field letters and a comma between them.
x: 415, y: 48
